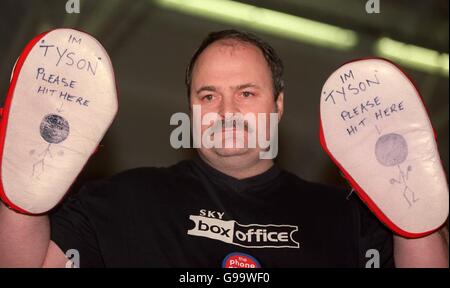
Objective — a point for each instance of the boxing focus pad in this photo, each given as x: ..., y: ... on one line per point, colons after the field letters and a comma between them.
x: 375, y: 128
x: 61, y: 101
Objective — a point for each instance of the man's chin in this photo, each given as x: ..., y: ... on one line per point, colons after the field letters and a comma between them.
x: 231, y: 152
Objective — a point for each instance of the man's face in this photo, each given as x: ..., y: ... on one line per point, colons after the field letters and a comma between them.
x: 233, y: 77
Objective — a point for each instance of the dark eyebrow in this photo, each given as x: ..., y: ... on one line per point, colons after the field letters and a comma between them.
x: 247, y: 85
x: 238, y: 87
x: 207, y: 88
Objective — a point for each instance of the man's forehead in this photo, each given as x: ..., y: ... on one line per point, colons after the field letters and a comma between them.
x: 212, y: 66
x: 229, y: 53
x: 230, y: 47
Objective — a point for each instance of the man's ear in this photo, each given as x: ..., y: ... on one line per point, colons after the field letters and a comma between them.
x: 280, y: 105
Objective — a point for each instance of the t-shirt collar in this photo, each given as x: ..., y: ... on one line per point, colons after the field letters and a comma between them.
x: 249, y: 183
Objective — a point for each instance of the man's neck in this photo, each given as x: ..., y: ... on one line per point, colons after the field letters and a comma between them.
x: 239, y: 168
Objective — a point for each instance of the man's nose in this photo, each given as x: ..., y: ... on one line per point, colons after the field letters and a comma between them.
x: 228, y: 105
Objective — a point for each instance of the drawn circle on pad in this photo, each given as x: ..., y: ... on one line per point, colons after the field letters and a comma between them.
x: 54, y: 128
x: 391, y: 149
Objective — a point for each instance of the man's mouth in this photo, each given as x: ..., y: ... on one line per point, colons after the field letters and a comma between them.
x: 232, y: 125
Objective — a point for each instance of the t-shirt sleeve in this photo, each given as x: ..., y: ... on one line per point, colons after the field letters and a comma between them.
x: 375, y: 240
x: 71, y: 228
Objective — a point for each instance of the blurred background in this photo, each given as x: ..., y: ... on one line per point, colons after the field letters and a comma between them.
x: 151, y: 41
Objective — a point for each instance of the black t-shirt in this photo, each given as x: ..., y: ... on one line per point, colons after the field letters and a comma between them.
x: 191, y: 215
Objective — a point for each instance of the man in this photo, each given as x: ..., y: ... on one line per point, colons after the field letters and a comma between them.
x: 227, y: 208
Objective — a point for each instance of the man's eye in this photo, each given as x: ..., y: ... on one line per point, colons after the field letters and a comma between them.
x: 208, y: 97
x: 247, y: 94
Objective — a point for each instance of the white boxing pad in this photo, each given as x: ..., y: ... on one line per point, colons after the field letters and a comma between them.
x: 376, y: 129
x: 61, y: 101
